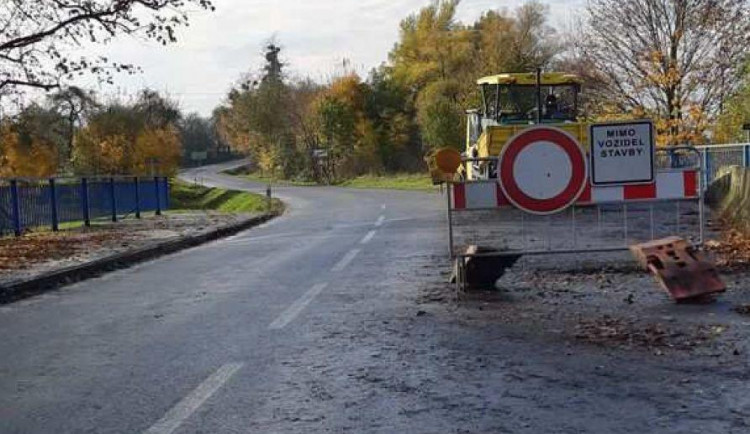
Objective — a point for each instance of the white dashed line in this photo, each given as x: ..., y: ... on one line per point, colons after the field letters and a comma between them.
x: 292, y: 311
x: 383, y: 206
x: 380, y: 221
x: 348, y: 258
x: 368, y: 237
x: 189, y: 404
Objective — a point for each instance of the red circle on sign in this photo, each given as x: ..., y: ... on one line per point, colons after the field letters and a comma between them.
x: 570, y: 191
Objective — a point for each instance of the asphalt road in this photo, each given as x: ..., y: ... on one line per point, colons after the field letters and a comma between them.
x: 115, y: 354
x: 335, y: 317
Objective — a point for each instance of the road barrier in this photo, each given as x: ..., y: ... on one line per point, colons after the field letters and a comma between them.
x: 27, y: 203
x: 602, y: 219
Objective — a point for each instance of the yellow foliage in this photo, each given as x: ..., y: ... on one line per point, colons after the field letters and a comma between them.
x: 152, y: 150
x: 689, y: 130
x: 36, y: 159
x: 347, y: 90
x: 158, y: 150
x: 97, y: 153
x: 728, y: 128
x: 736, y: 113
x: 267, y: 161
x: 366, y: 147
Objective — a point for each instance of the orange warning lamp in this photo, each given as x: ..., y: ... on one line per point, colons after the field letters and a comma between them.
x: 448, y: 160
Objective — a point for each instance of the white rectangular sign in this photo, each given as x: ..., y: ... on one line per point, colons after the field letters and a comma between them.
x: 198, y: 156
x: 622, y: 153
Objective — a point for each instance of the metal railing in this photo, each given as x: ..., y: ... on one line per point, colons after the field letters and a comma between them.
x: 716, y: 158
x: 29, y: 203
x: 587, y: 228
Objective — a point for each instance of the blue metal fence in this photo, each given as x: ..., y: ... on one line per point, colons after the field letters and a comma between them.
x: 5, y: 208
x: 34, y: 203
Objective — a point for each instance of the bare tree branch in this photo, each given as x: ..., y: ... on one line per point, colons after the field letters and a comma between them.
x: 664, y: 57
x: 36, y: 35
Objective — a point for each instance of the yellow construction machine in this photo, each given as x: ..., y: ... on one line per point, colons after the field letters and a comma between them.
x: 512, y: 103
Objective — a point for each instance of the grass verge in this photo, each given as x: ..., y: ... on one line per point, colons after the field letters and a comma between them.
x: 246, y: 173
x: 186, y: 196
x: 274, y: 181
x: 401, y: 181
x: 406, y: 181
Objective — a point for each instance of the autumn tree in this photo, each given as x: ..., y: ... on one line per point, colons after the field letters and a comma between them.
x: 394, y: 120
x: 735, y: 115
x: 37, y: 36
x: 31, y: 142
x: 141, y: 138
x: 157, y: 111
x: 156, y: 151
x: 104, y: 143
x: 347, y: 133
x: 197, y: 134
x: 518, y: 42
x: 406, y: 107
x: 439, y: 60
x: 259, y: 118
x: 305, y: 127
x: 433, y: 59
x: 19, y: 159
x: 73, y: 103
x: 673, y: 60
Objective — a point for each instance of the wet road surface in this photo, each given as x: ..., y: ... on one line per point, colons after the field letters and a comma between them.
x: 337, y: 317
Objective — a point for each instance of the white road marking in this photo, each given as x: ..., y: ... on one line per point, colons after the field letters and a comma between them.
x: 349, y: 257
x: 189, y: 404
x: 380, y: 221
x: 292, y: 311
x: 368, y: 237
x: 383, y: 206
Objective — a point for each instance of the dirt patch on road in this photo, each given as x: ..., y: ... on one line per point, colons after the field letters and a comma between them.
x: 623, y: 332
x: 615, y: 308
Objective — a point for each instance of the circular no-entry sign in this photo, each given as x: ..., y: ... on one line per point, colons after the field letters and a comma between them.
x: 542, y: 170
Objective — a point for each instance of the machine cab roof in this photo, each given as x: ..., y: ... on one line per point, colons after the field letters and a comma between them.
x: 512, y: 98
x: 529, y: 79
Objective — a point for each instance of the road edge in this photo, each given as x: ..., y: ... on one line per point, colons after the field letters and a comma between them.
x: 50, y: 281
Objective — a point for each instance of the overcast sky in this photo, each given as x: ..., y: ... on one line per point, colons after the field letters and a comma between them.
x: 316, y: 36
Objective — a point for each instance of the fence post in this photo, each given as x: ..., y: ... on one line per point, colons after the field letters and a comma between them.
x: 114, y: 199
x: 706, y: 168
x: 16, y: 204
x: 158, y: 197
x: 746, y: 156
x: 53, y: 204
x: 85, y: 202
x: 137, y: 197
x: 166, y: 192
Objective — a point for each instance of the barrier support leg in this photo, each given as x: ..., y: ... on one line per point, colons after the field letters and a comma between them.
x: 450, y: 221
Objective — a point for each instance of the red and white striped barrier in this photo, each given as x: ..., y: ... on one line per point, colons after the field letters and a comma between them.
x: 668, y: 185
